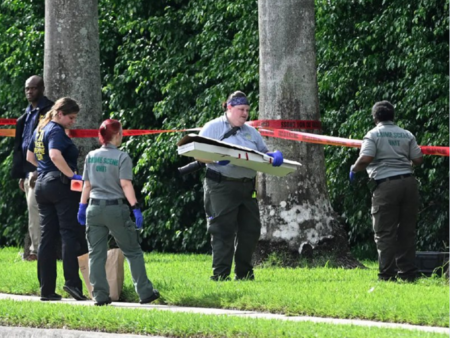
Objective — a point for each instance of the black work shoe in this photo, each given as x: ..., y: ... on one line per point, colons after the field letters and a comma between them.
x: 220, y: 278
x: 74, y: 292
x: 106, y: 302
x: 249, y: 276
x: 150, y: 299
x: 408, y: 279
x: 52, y: 297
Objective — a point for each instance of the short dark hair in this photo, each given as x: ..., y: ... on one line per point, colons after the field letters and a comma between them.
x: 383, y: 111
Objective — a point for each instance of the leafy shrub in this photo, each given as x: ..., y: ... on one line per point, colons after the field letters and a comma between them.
x: 169, y: 65
x: 370, y: 51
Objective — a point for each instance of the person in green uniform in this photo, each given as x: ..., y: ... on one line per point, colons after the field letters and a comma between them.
x: 229, y: 193
x: 107, y: 186
x: 388, y: 153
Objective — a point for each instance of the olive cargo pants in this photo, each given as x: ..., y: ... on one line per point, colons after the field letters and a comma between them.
x: 100, y: 220
x: 234, y: 224
x: 395, y: 207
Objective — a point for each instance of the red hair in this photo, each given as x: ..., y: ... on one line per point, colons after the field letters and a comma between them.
x: 107, y: 130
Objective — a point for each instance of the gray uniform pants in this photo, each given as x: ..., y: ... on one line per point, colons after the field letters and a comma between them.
x: 234, y: 224
x: 395, y: 207
x: 100, y: 220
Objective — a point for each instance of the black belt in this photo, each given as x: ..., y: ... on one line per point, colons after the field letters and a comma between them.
x: 95, y: 201
x: 397, y: 177
x: 218, y: 177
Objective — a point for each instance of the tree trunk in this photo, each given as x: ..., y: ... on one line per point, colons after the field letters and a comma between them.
x: 295, y: 210
x: 72, y: 62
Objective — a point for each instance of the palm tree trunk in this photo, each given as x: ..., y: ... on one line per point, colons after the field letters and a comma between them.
x: 296, y: 213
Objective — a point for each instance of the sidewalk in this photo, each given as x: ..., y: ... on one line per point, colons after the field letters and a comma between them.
x: 25, y: 332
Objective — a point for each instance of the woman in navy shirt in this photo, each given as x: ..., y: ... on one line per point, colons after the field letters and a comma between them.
x: 55, y: 156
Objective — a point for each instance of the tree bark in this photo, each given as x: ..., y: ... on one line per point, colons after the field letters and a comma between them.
x: 295, y: 210
x: 72, y: 62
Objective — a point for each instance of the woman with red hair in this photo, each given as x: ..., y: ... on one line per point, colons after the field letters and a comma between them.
x: 107, y: 186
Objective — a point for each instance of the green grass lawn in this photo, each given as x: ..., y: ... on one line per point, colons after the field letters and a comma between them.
x: 163, y: 323
x: 325, y: 292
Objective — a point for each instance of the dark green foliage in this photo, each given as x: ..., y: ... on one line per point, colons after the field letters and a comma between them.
x: 21, y: 55
x: 14, y: 220
x: 169, y: 65
x: 175, y: 63
x: 370, y: 51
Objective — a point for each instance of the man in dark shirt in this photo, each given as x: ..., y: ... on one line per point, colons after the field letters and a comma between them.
x: 21, y: 168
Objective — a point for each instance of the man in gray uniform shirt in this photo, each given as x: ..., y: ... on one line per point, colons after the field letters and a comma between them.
x: 388, y: 153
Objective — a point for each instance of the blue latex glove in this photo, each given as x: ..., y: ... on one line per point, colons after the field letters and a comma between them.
x: 224, y: 162
x: 352, y: 175
x: 77, y: 177
x: 277, y: 158
x: 81, y: 216
x: 139, y: 219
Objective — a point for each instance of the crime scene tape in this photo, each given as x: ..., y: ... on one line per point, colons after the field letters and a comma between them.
x: 338, y: 141
x: 275, y: 124
x: 311, y: 138
x: 432, y: 150
x: 8, y: 132
x: 286, y: 124
x: 7, y: 122
x: 273, y: 131
x: 84, y: 133
x: 127, y: 132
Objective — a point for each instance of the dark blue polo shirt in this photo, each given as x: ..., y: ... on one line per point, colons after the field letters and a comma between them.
x: 31, y: 121
x: 53, y: 136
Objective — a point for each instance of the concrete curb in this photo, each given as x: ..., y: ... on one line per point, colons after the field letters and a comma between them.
x: 212, y: 311
x: 26, y: 332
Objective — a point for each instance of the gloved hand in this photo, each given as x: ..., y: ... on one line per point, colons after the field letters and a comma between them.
x: 352, y: 175
x: 224, y: 162
x: 77, y: 177
x: 277, y: 158
x: 139, y: 219
x: 81, y: 216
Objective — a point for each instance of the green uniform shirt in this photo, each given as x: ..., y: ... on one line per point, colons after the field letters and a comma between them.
x: 104, y: 168
x: 392, y: 147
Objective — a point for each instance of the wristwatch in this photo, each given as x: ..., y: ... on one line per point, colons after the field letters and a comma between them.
x: 136, y: 206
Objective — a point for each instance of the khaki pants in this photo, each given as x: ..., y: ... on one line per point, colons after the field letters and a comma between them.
x: 395, y: 207
x: 100, y: 220
x: 34, y: 227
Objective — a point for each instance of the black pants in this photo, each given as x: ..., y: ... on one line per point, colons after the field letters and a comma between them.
x: 395, y: 207
x: 58, y: 207
x: 234, y: 224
